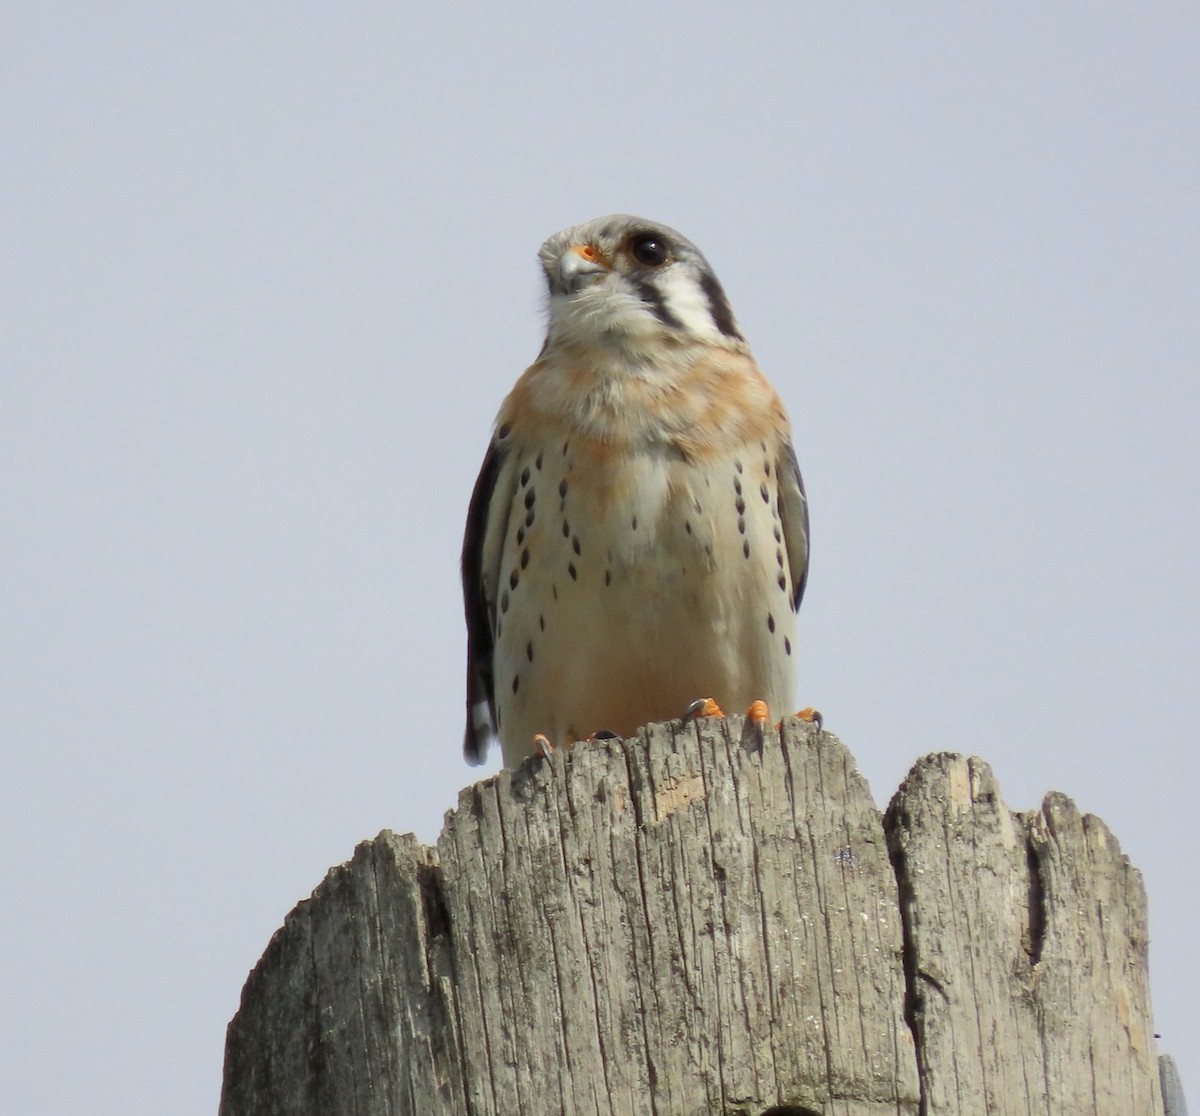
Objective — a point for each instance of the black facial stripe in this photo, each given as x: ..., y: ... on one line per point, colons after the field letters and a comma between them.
x: 718, y: 305
x: 651, y: 295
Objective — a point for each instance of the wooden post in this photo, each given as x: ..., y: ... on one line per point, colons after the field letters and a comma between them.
x: 699, y: 921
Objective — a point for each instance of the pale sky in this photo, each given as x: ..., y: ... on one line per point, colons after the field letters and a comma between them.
x: 267, y: 272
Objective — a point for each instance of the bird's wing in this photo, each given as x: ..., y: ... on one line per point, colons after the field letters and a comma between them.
x: 483, y: 544
x: 793, y: 510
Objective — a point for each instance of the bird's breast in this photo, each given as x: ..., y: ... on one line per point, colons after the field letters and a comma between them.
x: 642, y: 562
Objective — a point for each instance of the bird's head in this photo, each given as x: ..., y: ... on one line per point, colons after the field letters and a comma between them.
x: 627, y: 281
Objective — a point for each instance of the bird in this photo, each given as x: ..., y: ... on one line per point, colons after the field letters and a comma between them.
x: 637, y: 541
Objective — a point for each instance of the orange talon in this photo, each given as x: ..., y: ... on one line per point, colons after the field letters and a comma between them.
x: 703, y: 707
x: 757, y: 713
x: 811, y: 715
x: 542, y: 746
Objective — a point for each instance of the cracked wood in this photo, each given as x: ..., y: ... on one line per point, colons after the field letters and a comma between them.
x: 698, y: 921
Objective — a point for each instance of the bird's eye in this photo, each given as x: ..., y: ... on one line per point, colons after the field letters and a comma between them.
x: 649, y: 250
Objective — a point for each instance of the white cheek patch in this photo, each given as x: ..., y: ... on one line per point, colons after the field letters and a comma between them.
x: 686, y: 301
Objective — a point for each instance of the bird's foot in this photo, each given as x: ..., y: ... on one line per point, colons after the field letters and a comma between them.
x: 703, y: 707
x: 757, y: 714
x: 811, y: 715
x: 543, y: 746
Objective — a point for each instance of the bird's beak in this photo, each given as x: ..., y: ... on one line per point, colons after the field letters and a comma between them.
x: 581, y: 266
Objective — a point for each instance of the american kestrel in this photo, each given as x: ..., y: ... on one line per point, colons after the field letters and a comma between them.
x: 638, y: 535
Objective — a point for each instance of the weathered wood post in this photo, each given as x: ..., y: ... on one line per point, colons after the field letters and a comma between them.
x: 698, y: 921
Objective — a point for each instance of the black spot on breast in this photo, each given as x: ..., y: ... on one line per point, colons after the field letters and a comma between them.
x: 504, y: 601
x: 520, y: 534
x: 542, y: 623
x: 513, y: 579
x: 530, y: 496
x: 770, y: 622
x: 566, y: 530
x: 633, y: 523
x: 529, y: 651
x: 746, y: 548
x: 740, y: 504
x: 787, y: 645
x: 779, y: 557
x: 572, y: 571
x: 525, y: 475
x: 538, y: 463
x: 762, y: 491
x: 781, y: 581
x: 608, y: 577
x: 738, y: 467
x: 575, y: 544
x: 778, y: 535
x: 524, y: 558
x: 516, y: 682
x: 737, y: 484
x: 529, y: 518
x: 687, y: 526
x: 562, y: 488
x: 567, y: 446
x: 767, y: 468
x: 741, y: 525
x: 504, y: 431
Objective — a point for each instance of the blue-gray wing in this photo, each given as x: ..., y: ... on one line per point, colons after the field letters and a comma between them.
x: 487, y: 521
x: 793, y: 511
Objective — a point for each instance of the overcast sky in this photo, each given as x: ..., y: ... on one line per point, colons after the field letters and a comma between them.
x: 266, y: 272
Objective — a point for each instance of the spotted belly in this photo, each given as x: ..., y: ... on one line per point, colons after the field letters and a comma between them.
x: 626, y: 593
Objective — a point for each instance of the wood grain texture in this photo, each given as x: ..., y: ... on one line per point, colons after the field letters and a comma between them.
x: 697, y: 921
x: 1025, y: 940
x: 351, y: 1009
x: 679, y: 924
